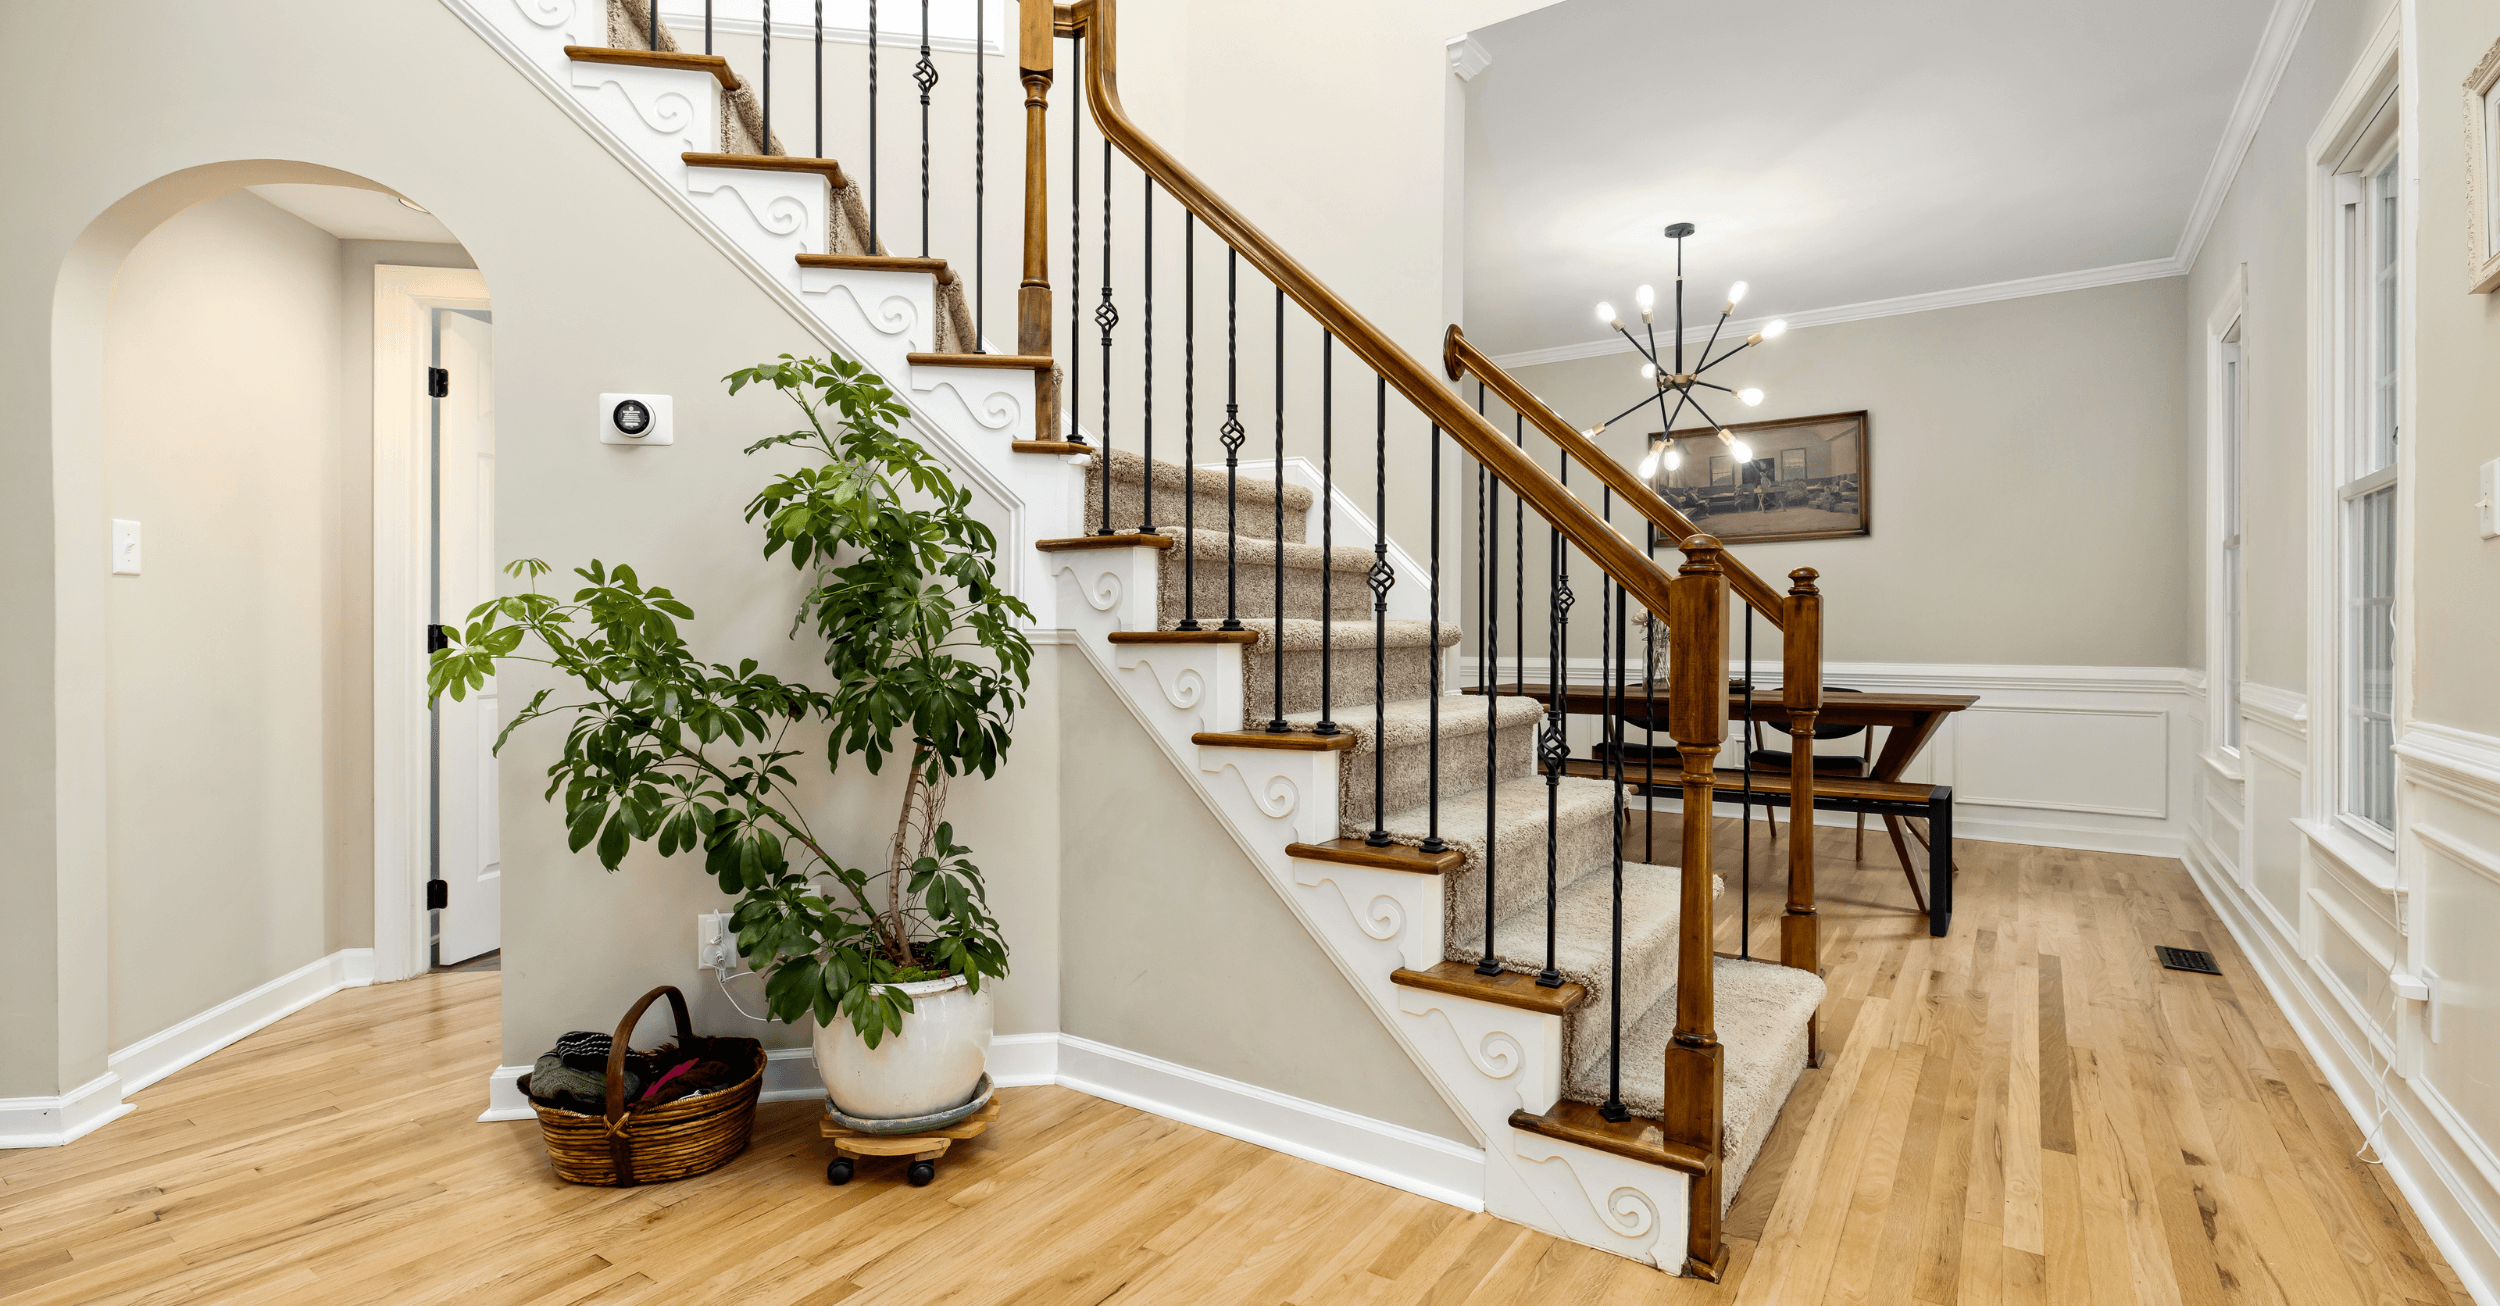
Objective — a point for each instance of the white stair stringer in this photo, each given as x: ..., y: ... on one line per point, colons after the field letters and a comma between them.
x: 1486, y: 1059
x: 650, y: 118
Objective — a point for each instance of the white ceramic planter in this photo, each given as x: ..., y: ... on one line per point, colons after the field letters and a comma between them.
x: 933, y: 1064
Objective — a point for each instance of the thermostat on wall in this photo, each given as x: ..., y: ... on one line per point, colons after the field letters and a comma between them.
x: 635, y: 419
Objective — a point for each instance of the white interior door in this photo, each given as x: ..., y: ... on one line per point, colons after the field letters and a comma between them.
x: 470, y: 921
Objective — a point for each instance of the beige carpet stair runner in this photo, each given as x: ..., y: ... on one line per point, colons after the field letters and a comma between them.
x: 1491, y: 798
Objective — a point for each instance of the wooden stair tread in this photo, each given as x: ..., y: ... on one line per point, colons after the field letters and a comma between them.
x: 1635, y: 1139
x: 935, y: 267
x: 1764, y: 782
x: 1299, y: 741
x: 831, y: 170
x: 1207, y: 636
x: 1392, y: 857
x: 1123, y: 540
x: 1014, y: 362
x: 1509, y: 989
x: 716, y: 65
x: 1049, y: 447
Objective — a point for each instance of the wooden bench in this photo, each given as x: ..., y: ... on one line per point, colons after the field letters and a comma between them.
x: 1832, y: 793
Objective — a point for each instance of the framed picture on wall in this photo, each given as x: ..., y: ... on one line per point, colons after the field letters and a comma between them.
x: 2482, y: 165
x: 1804, y: 478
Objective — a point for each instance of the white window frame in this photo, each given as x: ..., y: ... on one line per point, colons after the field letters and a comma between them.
x: 2371, y: 118
x: 2226, y: 403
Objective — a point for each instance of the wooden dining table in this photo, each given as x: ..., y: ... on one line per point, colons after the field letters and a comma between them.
x: 1909, y: 720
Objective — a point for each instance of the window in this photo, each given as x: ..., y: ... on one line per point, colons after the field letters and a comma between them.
x: 1792, y: 464
x: 2234, y: 409
x: 2371, y: 357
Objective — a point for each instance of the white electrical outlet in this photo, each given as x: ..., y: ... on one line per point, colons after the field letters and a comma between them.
x: 2489, y: 504
x: 714, y: 949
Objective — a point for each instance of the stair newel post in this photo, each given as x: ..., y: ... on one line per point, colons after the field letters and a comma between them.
x: 1801, y: 693
x: 1697, y: 718
x: 1035, y: 51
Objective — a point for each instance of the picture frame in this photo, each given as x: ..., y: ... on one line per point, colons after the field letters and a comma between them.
x: 2482, y: 169
x: 1806, y: 479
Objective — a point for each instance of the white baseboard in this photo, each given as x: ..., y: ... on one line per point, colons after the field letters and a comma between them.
x: 1420, y: 1163
x: 166, y: 1051
x: 2449, y: 1193
x: 52, y: 1121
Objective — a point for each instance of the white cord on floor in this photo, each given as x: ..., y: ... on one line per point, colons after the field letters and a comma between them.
x: 2378, y: 1099
x: 723, y: 977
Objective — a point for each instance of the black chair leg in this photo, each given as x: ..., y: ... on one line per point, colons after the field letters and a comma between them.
x: 1940, y: 862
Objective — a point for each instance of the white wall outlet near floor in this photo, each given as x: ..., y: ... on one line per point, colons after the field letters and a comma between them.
x: 126, y: 545
x: 713, y: 947
x: 636, y: 419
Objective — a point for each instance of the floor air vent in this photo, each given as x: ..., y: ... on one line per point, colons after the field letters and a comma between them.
x: 2187, y: 959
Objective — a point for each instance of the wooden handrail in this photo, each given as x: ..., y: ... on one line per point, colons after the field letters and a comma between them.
x: 1460, y: 357
x: 1617, y: 556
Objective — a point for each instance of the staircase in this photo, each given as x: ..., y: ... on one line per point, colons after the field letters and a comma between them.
x: 1298, y: 665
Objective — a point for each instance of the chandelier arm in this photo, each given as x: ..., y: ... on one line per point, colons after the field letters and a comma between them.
x: 1722, y: 358
x: 1636, y: 407
x: 1650, y: 354
x: 1713, y: 341
x: 1667, y: 428
x: 1713, y: 385
x: 1705, y: 414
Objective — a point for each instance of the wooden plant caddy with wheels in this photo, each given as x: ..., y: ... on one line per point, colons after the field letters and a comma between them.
x: 924, y: 1148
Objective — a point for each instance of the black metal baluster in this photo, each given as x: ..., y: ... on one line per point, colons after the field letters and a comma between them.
x: 651, y: 20
x: 1553, y: 747
x: 1519, y: 544
x: 1107, y: 317
x: 1146, y: 513
x: 1327, y: 522
x: 1189, y: 420
x: 707, y: 22
x: 1381, y: 578
x: 1488, y: 964
x: 1650, y: 628
x: 925, y: 73
x: 1276, y: 724
x: 1076, y: 256
x: 1744, y: 904
x: 820, y: 72
x: 873, y: 246
x: 764, y: 146
x: 1232, y: 435
x: 1432, y: 705
x: 1613, y: 1108
x: 980, y: 170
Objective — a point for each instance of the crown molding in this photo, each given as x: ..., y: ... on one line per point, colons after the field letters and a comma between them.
x: 2248, y: 112
x: 2024, y: 288
x: 1468, y: 57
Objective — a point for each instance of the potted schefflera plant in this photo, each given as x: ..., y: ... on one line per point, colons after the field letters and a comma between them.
x: 927, y: 662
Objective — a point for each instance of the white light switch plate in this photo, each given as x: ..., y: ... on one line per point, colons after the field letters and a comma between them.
x: 2490, y: 502
x: 660, y: 430
x: 125, y: 547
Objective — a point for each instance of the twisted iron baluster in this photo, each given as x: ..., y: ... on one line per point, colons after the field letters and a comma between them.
x: 980, y: 171
x: 1107, y: 317
x: 1380, y: 577
x: 1232, y: 435
x: 1276, y: 724
x: 764, y: 146
x: 1189, y: 420
x: 1327, y: 521
x: 820, y: 66
x: 1432, y: 705
x: 1519, y: 581
x: 873, y: 246
x: 1553, y: 749
x: 926, y: 74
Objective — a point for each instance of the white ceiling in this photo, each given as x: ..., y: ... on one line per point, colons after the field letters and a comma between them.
x: 1832, y: 152
x: 351, y: 214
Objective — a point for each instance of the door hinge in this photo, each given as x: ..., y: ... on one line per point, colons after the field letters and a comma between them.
x: 438, y: 382
x: 437, y: 894
x: 437, y: 638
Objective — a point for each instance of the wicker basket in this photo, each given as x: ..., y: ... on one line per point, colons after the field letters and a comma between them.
x: 675, y: 1140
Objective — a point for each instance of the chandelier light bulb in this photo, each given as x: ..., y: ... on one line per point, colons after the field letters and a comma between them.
x: 1675, y: 457
x: 1606, y: 314
x: 1649, y: 371
x: 1742, y: 450
x: 1649, y: 465
x: 1736, y: 294
x: 1777, y: 328
x: 1750, y: 395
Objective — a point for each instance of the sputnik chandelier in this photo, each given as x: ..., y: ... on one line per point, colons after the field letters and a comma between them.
x: 1668, y: 377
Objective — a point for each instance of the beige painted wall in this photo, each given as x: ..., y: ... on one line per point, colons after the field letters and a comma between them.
x: 2263, y: 226
x: 222, y: 432
x: 2027, y: 494
x: 2456, y: 573
x: 1176, y: 946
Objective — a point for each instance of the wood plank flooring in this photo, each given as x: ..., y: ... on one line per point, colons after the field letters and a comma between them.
x: 2029, y: 1112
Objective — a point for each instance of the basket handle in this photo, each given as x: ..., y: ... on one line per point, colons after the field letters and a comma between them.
x: 619, y: 1149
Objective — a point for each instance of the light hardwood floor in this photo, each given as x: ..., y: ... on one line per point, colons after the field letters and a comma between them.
x: 2029, y: 1111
